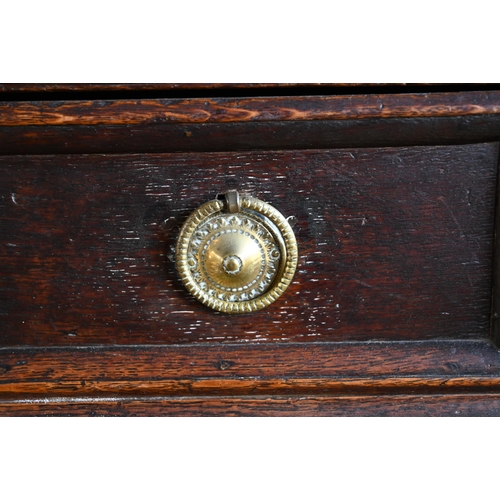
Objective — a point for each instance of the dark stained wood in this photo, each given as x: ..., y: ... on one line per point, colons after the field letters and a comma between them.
x: 388, y: 313
x: 394, y: 243
x: 484, y: 405
x: 164, y: 138
x: 223, y: 110
x: 94, y: 87
x: 495, y: 292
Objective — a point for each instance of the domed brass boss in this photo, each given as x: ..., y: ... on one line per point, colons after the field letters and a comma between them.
x: 237, y: 255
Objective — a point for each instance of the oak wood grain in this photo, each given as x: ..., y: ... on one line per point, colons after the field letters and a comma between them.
x: 222, y: 110
x: 226, y: 387
x: 394, y: 244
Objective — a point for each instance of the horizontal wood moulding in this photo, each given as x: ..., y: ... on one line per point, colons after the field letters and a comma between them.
x: 355, y: 362
x: 243, y: 387
x: 484, y: 405
x: 133, y: 112
x: 394, y: 244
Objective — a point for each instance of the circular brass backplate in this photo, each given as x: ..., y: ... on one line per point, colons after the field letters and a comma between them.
x: 236, y: 262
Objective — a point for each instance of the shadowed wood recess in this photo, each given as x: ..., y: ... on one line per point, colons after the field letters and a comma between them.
x: 133, y: 112
x: 142, y: 87
x: 84, y: 87
x: 245, y: 136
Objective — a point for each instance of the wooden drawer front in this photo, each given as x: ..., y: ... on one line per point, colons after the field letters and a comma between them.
x: 394, y: 244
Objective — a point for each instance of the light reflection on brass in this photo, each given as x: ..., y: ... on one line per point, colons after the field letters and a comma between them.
x: 238, y: 256
x: 232, y: 246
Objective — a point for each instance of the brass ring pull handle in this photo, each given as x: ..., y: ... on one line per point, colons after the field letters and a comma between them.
x: 236, y: 256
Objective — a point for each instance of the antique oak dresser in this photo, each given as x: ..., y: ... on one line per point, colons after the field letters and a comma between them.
x: 295, y: 250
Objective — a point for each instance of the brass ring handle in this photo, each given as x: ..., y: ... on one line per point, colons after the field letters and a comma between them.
x: 236, y: 256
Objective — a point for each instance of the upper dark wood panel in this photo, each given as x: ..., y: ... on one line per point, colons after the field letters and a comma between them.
x: 395, y: 244
x: 245, y: 136
x: 95, y: 87
x: 85, y: 87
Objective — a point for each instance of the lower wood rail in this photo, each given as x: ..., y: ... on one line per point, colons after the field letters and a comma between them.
x: 353, y: 378
x: 485, y: 405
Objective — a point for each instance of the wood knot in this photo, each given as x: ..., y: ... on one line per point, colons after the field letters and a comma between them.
x: 224, y: 365
x: 7, y: 368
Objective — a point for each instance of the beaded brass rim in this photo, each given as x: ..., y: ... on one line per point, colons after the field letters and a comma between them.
x: 236, y: 262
